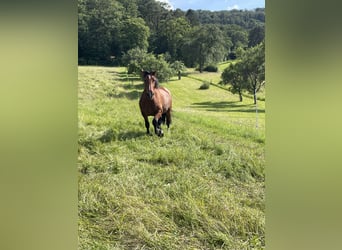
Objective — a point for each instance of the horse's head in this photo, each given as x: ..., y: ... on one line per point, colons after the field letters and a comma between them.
x: 150, y: 82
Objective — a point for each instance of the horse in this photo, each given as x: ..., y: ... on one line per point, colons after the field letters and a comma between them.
x: 155, y: 101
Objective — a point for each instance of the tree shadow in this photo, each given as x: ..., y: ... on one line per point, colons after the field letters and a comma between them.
x: 219, y: 105
x: 231, y: 106
x: 251, y: 110
x: 124, y: 78
x: 133, y: 86
x: 131, y: 95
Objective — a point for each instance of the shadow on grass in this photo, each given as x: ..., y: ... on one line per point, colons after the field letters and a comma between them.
x: 226, y: 107
x: 131, y: 135
x: 252, y: 110
x: 130, y: 79
x: 133, y: 86
x: 131, y: 95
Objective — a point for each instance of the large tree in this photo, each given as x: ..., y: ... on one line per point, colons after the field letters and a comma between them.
x: 256, y: 36
x: 133, y: 33
x: 98, y: 24
x: 253, y: 61
x: 234, y: 76
x: 248, y: 73
x: 205, y: 45
x: 237, y: 35
x: 171, y: 34
x: 193, y: 17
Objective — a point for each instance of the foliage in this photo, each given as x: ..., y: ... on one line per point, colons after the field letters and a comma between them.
x: 253, y: 61
x: 107, y: 29
x: 211, y: 68
x: 256, y: 36
x: 137, y: 59
x: 163, y: 70
x: 246, y: 19
x: 133, y: 60
x: 193, y: 17
x: 237, y: 35
x: 98, y: 24
x: 247, y: 74
x: 234, y: 76
x: 134, y: 34
x: 204, y: 45
x: 178, y: 66
x: 171, y: 36
x: 205, y: 85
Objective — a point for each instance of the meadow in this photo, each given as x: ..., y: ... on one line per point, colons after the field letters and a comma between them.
x: 201, y: 186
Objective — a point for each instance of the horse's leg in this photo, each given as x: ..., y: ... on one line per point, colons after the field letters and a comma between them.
x: 147, y: 124
x: 156, y: 123
x: 168, y: 118
x: 162, y: 119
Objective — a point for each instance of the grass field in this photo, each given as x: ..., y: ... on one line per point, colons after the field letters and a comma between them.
x: 201, y: 186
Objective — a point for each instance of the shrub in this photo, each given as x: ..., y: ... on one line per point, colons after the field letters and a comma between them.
x: 138, y: 59
x: 211, y: 68
x: 205, y: 85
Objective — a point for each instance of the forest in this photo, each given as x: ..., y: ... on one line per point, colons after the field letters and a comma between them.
x: 111, y: 31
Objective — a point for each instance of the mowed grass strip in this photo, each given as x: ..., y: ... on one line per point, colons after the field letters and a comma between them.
x: 201, y: 186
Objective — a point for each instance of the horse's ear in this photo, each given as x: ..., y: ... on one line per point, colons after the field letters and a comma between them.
x: 143, y: 73
x: 153, y: 73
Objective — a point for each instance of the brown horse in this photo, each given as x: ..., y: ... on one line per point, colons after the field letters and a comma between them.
x: 155, y: 101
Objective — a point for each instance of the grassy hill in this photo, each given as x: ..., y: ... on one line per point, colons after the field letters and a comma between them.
x: 201, y: 186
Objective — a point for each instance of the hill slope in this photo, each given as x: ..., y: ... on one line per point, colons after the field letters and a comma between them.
x: 201, y: 186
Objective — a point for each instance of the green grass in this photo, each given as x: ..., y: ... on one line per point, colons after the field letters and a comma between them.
x: 201, y: 186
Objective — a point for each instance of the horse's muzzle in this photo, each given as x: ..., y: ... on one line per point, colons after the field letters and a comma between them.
x: 150, y: 94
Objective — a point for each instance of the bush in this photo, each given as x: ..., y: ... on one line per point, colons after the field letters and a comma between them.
x: 205, y: 85
x: 211, y: 68
x: 152, y: 63
x: 138, y: 59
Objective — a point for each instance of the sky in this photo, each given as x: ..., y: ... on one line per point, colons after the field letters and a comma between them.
x: 215, y: 4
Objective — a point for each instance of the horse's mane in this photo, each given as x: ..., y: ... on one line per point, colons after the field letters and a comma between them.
x: 152, y: 73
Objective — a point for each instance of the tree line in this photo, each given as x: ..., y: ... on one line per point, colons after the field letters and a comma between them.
x: 149, y: 34
x: 108, y: 29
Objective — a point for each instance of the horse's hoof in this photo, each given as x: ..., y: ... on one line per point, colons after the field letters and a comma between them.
x: 161, y: 133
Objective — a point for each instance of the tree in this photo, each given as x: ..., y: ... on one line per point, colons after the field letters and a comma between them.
x: 133, y: 60
x: 237, y: 35
x: 98, y: 20
x: 234, y: 76
x: 256, y: 36
x: 159, y: 65
x: 178, y: 67
x: 137, y: 59
x: 248, y: 73
x: 172, y: 34
x: 253, y: 61
x: 205, y: 45
x: 193, y: 17
x: 130, y: 7
x: 134, y: 33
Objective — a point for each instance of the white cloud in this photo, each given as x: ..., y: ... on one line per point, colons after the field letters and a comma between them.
x: 234, y: 7
x: 168, y: 2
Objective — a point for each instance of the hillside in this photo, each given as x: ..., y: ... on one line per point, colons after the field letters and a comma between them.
x: 201, y: 186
